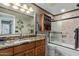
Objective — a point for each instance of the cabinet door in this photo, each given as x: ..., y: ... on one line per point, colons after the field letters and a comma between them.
x: 40, y: 43
x: 20, y: 54
x: 20, y: 48
x: 40, y: 51
x: 6, y: 52
x: 45, y: 23
x: 30, y: 52
x: 30, y: 45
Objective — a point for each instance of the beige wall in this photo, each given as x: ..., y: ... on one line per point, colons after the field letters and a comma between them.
x: 68, y: 27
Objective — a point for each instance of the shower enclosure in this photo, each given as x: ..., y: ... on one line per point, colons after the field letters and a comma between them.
x: 63, y: 32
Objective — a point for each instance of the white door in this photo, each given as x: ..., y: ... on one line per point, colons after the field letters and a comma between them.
x: 6, y: 28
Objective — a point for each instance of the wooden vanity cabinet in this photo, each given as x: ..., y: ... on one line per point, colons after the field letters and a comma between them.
x: 30, y: 45
x: 25, y: 49
x: 30, y: 49
x: 35, y: 48
x: 39, y: 51
x: 40, y: 48
x: 40, y: 43
x: 19, y: 49
x: 6, y: 52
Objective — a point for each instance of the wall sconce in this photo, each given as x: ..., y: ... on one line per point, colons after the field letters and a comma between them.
x: 21, y: 7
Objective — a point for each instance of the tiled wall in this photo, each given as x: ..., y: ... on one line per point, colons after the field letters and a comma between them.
x: 67, y: 27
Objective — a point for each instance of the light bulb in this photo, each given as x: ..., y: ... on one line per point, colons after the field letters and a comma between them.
x: 31, y: 9
x: 6, y: 4
x: 63, y: 10
x: 27, y: 12
x: 17, y: 4
x: 15, y: 7
x: 25, y: 6
x: 22, y: 10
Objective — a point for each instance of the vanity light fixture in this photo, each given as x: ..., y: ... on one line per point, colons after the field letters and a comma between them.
x: 63, y: 10
x: 19, y: 6
x: 25, y: 6
x: 15, y: 7
x: 6, y: 4
x: 21, y: 9
x: 31, y: 9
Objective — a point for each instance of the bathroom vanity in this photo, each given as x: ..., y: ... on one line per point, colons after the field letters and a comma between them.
x: 13, y: 23
x: 35, y: 47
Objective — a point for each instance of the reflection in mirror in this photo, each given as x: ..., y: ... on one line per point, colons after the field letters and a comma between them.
x: 16, y: 19
x: 7, y: 23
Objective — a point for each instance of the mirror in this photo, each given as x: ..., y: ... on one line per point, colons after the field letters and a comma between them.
x: 16, y: 20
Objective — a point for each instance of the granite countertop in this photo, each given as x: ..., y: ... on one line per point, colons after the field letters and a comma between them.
x: 11, y: 43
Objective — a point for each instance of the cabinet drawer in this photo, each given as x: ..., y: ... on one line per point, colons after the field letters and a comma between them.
x: 30, y: 45
x: 40, y: 43
x: 19, y: 49
x: 30, y: 52
x: 6, y: 52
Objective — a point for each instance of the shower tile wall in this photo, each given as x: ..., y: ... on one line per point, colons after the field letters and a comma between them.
x: 67, y: 27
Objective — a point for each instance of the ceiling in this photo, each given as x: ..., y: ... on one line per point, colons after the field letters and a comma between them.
x: 57, y: 8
